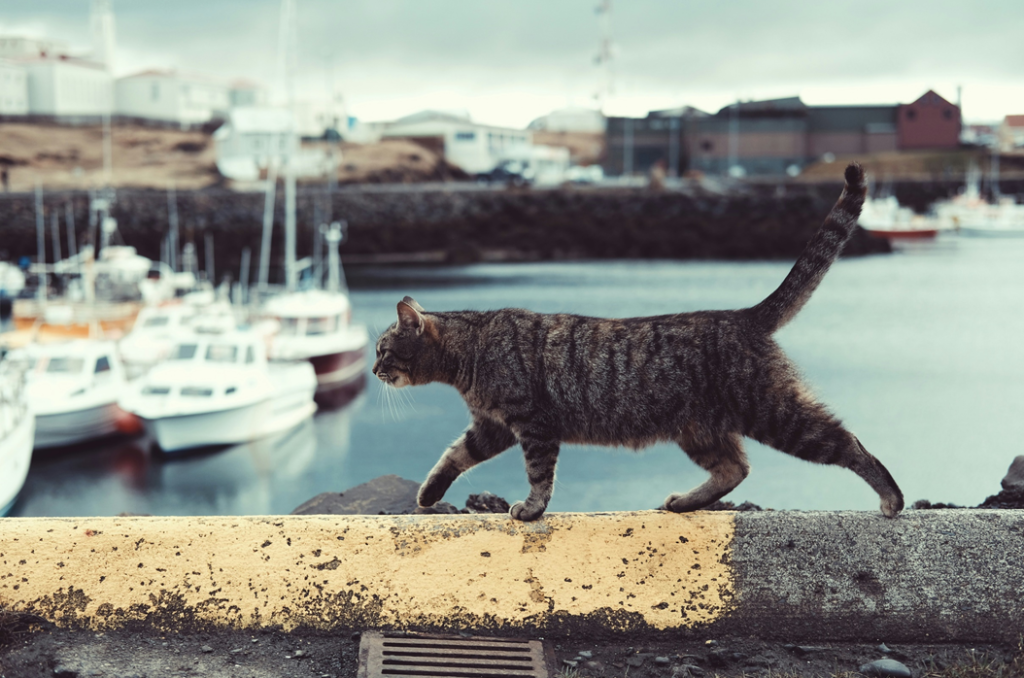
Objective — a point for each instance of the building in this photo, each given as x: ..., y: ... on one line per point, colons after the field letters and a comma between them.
x: 776, y: 136
x: 470, y: 145
x: 13, y: 88
x: 635, y: 145
x: 67, y: 88
x: 929, y: 122
x: 170, y: 96
x: 253, y: 138
x: 1011, y: 133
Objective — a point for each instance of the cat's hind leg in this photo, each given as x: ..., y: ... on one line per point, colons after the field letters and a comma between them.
x: 804, y: 428
x: 723, y: 457
x: 481, y: 441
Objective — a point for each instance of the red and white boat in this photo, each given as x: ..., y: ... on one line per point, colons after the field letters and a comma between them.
x: 885, y: 218
x: 315, y: 325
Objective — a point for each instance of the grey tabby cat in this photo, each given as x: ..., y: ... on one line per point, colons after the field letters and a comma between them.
x: 702, y: 380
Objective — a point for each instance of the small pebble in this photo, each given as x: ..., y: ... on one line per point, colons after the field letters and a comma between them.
x: 662, y: 660
x: 237, y: 650
x: 884, y: 649
x: 299, y: 653
x: 635, y: 661
x: 206, y: 648
x: 711, y: 643
x: 255, y: 640
x: 571, y: 663
x: 586, y: 654
x: 886, y: 668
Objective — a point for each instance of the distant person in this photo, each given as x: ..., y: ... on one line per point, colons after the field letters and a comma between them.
x: 5, y: 178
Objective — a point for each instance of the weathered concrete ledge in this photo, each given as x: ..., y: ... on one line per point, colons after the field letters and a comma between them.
x: 928, y: 576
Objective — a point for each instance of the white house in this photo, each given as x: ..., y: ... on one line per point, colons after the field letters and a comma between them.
x: 251, y: 139
x: 471, y: 146
x: 67, y: 87
x: 572, y: 119
x: 13, y: 88
x: 172, y: 97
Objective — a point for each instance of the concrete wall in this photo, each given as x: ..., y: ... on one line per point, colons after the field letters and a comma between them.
x: 466, y: 226
x: 929, y: 576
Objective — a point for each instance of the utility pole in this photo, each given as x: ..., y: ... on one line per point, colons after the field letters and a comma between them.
x: 605, y: 54
x: 627, y: 147
x: 673, y: 147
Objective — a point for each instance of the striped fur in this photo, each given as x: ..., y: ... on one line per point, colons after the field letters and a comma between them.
x: 702, y: 380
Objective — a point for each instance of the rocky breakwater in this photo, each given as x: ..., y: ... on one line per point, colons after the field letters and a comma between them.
x: 459, y: 226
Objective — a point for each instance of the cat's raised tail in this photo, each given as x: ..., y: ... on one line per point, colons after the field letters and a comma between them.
x: 781, y: 305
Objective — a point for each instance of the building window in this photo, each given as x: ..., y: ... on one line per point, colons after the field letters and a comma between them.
x: 911, y: 114
x: 465, y: 136
x: 706, y: 145
x: 947, y: 114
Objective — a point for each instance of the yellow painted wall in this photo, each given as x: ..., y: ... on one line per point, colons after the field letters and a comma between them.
x: 629, y: 570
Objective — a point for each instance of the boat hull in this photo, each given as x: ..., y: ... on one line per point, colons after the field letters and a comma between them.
x: 907, y: 234
x: 232, y: 426
x: 338, y: 370
x: 70, y: 428
x: 15, y: 457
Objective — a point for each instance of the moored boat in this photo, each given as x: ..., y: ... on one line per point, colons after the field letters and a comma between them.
x: 219, y: 389
x: 73, y: 389
x: 17, y: 427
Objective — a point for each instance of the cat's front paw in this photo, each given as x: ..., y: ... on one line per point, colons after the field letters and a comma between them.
x: 521, y: 511
x: 432, y: 490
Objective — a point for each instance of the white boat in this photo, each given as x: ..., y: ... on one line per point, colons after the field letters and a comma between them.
x: 971, y: 214
x: 73, y: 389
x: 153, y: 336
x: 315, y: 325
x: 219, y: 389
x: 886, y: 218
x: 17, y: 427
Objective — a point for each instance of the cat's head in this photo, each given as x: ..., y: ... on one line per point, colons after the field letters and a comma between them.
x: 405, y: 351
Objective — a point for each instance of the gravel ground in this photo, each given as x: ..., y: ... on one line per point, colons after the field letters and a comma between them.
x: 231, y: 654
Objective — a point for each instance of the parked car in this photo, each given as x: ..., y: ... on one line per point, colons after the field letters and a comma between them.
x: 508, y: 172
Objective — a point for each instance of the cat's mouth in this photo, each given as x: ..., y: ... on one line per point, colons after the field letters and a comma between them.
x: 395, y: 381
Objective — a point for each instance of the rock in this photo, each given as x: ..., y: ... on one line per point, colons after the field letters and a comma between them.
x: 586, y: 654
x: 1014, y: 479
x: 662, y: 660
x: 596, y: 667
x: 571, y: 663
x: 299, y: 653
x: 687, y: 670
x: 61, y: 671
x: 806, y: 649
x: 635, y: 661
x: 441, y: 507
x: 719, y: 658
x: 237, y: 650
x: 884, y: 649
x: 485, y: 502
x: 206, y: 648
x: 886, y: 668
x: 388, y: 495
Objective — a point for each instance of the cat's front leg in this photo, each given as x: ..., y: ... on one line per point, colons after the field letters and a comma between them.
x: 481, y: 441
x: 541, y: 457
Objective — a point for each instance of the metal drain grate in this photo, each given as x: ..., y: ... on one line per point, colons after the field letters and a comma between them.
x: 383, y: 654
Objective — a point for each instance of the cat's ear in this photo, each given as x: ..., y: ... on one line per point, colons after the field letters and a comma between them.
x: 412, y: 302
x: 410, y: 316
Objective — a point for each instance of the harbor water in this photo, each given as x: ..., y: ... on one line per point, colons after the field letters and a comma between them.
x: 920, y: 352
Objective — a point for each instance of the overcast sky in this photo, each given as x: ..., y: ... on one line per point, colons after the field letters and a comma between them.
x: 507, y: 62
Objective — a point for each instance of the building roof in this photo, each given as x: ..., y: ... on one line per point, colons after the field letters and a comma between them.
x: 1014, y: 121
x: 678, y: 112
x: 930, y: 98
x: 766, y: 106
x: 62, y: 59
x: 429, y: 115
x: 254, y: 119
x: 170, y: 74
